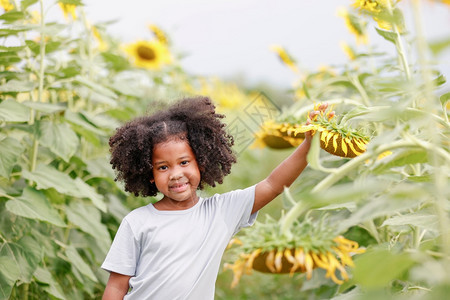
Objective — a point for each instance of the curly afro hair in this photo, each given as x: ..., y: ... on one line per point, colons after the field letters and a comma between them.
x: 191, y: 119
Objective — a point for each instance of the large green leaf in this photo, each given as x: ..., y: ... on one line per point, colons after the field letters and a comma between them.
x: 397, y: 199
x: 378, y: 267
x: 10, y: 151
x: 96, y: 87
x: 17, y: 86
x: 81, y: 120
x: 34, y: 205
x: 78, y: 263
x: 59, y: 138
x: 428, y: 221
x: 88, y: 219
x: 12, y: 111
x: 24, y: 255
x: 52, y: 287
x: 9, y: 273
x: 48, y: 177
x: 48, y: 108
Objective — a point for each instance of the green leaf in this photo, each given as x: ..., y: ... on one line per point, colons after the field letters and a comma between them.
x: 81, y: 120
x: 47, y: 108
x: 10, y: 151
x: 17, y: 86
x: 50, y: 46
x: 26, y: 3
x: 423, y: 220
x: 34, y: 205
x: 115, y: 62
x: 59, y: 138
x: 89, y: 221
x: 89, y: 192
x: 96, y: 87
x: 74, y: 2
x: 400, y: 158
x: 12, y: 111
x: 78, y: 263
x: 444, y: 98
x: 387, y: 35
x: 53, y: 288
x: 378, y: 267
x: 9, y: 273
x: 48, y: 177
x: 439, y: 46
x: 12, y: 16
x: 4, y: 32
x: 24, y: 255
x: 397, y: 199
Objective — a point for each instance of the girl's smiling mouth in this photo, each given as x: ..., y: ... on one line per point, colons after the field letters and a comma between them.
x: 179, y: 187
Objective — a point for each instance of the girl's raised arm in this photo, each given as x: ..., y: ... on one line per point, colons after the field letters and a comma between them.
x: 282, y: 176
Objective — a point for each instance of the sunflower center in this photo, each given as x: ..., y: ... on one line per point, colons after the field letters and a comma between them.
x: 146, y: 53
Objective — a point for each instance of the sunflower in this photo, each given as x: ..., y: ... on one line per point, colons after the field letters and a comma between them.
x: 279, y: 135
x: 335, y: 138
x: 148, y: 54
x: 7, y: 5
x: 313, y: 245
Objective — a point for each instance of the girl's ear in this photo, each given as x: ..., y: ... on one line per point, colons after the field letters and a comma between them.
x: 152, y: 180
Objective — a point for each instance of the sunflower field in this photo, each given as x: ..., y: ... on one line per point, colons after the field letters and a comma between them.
x: 368, y: 219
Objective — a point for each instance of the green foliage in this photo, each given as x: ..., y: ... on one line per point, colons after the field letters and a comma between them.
x: 394, y: 198
x: 61, y: 97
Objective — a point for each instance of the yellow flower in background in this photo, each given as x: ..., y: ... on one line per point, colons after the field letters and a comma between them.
x: 373, y: 6
x: 102, y: 45
x: 7, y: 6
x: 226, y: 95
x: 285, y: 57
x: 355, y: 25
x: 159, y: 34
x: 149, y: 54
x: 348, y: 50
x: 68, y: 9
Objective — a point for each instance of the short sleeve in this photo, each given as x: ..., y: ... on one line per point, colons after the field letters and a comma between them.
x: 124, y: 252
x: 237, y: 208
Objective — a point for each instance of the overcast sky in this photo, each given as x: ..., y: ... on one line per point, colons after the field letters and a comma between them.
x: 226, y: 37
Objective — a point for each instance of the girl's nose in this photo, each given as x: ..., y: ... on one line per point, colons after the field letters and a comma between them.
x: 176, y: 175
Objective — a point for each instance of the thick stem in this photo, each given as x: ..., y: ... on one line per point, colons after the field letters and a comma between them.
x: 34, y: 150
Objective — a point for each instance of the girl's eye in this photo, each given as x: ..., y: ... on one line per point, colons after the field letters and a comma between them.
x: 162, y: 168
x: 184, y: 162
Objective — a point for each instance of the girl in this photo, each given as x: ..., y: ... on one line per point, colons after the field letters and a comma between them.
x: 172, y: 249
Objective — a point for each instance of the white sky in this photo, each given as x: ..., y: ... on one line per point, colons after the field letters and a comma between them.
x: 226, y: 37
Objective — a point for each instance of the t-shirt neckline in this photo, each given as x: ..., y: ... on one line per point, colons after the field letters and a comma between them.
x: 175, y: 212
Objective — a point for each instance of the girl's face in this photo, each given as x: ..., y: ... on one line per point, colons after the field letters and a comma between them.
x: 176, y: 175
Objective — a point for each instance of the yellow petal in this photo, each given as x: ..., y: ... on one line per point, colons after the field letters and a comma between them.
x: 300, y: 258
x: 327, y: 140
x: 344, y: 146
x: 308, y: 265
x: 278, y: 263
x: 269, y: 261
x: 335, y: 137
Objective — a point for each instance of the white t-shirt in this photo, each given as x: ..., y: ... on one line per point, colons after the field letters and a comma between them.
x: 177, y: 254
